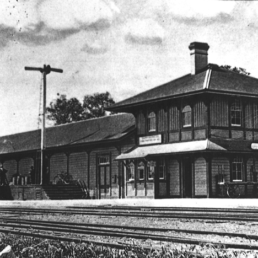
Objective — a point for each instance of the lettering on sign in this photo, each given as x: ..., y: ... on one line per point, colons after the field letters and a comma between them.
x: 254, y: 146
x: 150, y: 139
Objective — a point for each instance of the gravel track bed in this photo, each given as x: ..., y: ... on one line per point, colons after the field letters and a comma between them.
x: 188, y: 224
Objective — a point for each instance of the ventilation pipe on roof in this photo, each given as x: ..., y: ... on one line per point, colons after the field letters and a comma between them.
x: 199, y: 56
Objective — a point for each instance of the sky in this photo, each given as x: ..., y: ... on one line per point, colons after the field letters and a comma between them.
x: 121, y: 46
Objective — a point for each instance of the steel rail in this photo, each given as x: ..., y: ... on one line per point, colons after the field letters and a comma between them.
x: 195, y: 215
x: 153, y: 208
x: 62, y: 238
x: 222, y: 217
x: 110, y: 233
x: 136, y: 210
x: 80, y: 226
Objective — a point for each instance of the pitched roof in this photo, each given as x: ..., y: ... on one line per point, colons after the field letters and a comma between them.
x: 89, y: 131
x: 178, y: 147
x: 234, y: 145
x: 211, y: 78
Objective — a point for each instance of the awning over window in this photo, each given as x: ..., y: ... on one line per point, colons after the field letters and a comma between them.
x: 180, y: 147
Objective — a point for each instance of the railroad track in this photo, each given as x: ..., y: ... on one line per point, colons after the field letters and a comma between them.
x: 196, y: 214
x: 48, y: 229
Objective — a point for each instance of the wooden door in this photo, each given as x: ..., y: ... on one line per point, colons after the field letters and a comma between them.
x: 104, y: 182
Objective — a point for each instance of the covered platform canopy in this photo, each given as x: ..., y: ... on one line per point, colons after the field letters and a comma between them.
x: 180, y: 147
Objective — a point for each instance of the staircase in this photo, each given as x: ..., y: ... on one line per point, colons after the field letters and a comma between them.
x: 63, y: 192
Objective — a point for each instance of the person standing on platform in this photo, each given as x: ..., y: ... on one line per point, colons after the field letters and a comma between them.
x: 3, y: 179
x: 32, y: 175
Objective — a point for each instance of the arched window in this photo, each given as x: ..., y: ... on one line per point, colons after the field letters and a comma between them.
x: 236, y: 113
x: 152, y: 122
x: 141, y: 171
x: 130, y: 172
x: 187, y: 116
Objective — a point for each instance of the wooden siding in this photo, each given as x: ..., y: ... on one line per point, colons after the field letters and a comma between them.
x: 174, y: 137
x: 114, y: 173
x: 162, y: 120
x: 249, y: 115
x: 199, y: 134
x: 141, y: 124
x: 249, y: 135
x: 214, y: 171
x: 130, y: 190
x: 200, y: 114
x: 162, y: 189
x: 140, y: 189
x: 150, y: 189
x: 219, y: 133
x: 219, y: 112
x: 78, y: 166
x: 200, y: 177
x: 24, y: 166
x: 237, y: 134
x: 58, y: 164
x: 174, y: 177
x: 173, y: 118
x: 255, y: 115
x: 11, y: 167
x: 187, y: 135
x: 249, y: 163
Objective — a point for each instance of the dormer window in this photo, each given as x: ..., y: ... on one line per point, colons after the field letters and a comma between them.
x: 236, y: 113
x: 187, y: 116
x: 152, y: 122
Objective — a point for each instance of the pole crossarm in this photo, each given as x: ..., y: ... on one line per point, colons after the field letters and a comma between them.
x: 45, y: 70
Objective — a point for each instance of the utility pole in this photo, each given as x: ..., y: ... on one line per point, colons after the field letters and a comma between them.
x: 45, y: 70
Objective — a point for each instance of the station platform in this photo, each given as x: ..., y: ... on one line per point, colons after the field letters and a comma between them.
x: 205, y: 203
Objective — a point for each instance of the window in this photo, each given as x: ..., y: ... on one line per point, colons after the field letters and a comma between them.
x: 103, y: 159
x: 152, y: 122
x: 130, y: 172
x: 236, y: 113
x: 151, y: 169
x: 187, y: 116
x: 162, y: 169
x: 141, y: 171
x: 237, y: 167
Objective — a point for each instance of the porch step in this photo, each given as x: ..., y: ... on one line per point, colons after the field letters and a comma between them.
x: 63, y: 192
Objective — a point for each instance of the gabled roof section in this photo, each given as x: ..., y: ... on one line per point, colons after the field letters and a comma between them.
x: 96, y: 130
x: 232, y: 82
x: 182, y: 85
x: 211, y: 78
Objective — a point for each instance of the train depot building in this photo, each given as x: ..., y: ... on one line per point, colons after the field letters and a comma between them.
x: 193, y: 137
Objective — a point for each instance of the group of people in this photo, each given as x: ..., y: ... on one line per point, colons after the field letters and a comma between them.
x: 16, y: 178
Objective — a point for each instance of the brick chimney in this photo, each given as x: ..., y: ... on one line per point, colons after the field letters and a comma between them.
x: 199, y: 56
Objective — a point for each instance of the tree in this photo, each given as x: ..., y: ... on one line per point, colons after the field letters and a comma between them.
x: 94, y: 104
x: 235, y: 69
x: 63, y: 110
